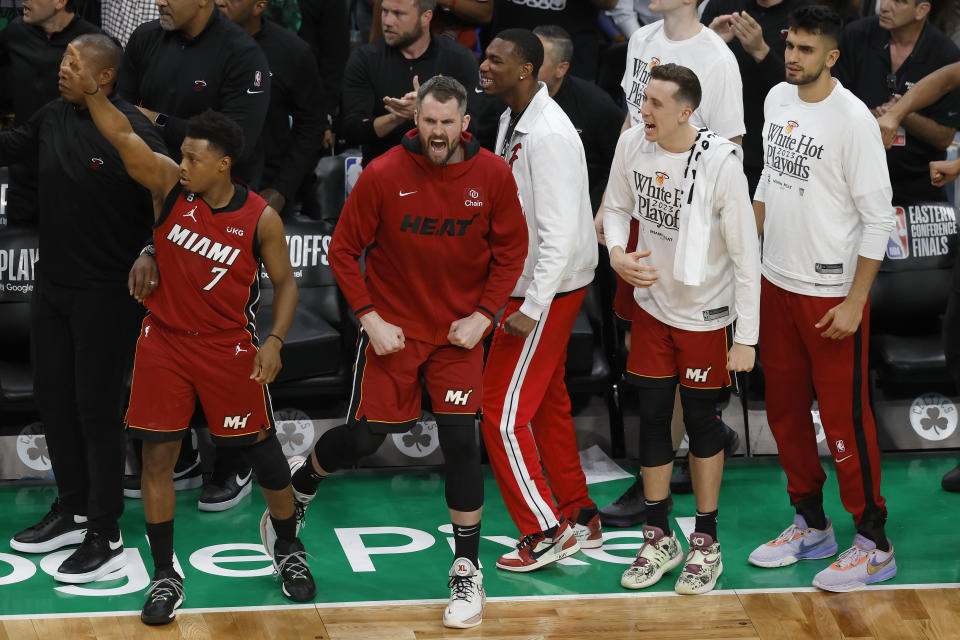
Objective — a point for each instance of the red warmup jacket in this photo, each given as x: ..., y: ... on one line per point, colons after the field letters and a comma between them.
x: 442, y: 242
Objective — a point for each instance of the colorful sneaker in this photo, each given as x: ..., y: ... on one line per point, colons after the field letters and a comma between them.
x: 300, y: 501
x: 797, y: 542
x: 587, y: 527
x: 467, y: 597
x: 858, y: 566
x: 164, y: 596
x: 702, y: 566
x: 660, y: 553
x: 537, y: 550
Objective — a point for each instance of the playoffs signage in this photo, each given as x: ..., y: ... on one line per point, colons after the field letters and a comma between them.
x: 923, y: 237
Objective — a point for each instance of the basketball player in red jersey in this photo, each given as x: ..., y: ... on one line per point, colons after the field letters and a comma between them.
x: 199, y: 339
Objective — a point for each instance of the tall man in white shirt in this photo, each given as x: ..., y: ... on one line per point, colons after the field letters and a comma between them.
x: 681, y: 39
x: 823, y: 204
x: 526, y: 408
x: 696, y: 270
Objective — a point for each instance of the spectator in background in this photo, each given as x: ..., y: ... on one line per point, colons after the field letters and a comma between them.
x: 120, y: 17
x: 291, y: 148
x: 325, y: 25
x: 457, y: 19
x: 31, y: 48
x: 594, y: 114
x: 630, y: 15
x: 191, y: 60
x: 578, y: 17
x: 881, y: 57
x: 382, y: 77
x: 754, y: 31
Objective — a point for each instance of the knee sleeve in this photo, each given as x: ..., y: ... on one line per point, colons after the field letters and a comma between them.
x: 656, y: 411
x: 268, y: 462
x: 706, y: 433
x: 343, y: 446
x: 461, y: 454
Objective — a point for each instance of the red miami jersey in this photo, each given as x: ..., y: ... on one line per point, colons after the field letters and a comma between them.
x: 208, y: 262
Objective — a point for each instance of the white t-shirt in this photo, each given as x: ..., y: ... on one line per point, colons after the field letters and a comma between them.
x: 826, y: 191
x: 708, y: 56
x: 647, y: 186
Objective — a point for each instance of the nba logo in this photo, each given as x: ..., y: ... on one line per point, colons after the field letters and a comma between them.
x: 257, y: 79
x: 897, y: 243
x: 840, y: 446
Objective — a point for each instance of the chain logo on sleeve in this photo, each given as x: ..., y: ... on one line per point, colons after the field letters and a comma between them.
x: 788, y: 154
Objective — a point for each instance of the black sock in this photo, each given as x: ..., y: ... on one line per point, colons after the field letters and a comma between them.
x: 874, y: 531
x: 160, y: 535
x: 286, y: 529
x: 306, y: 480
x: 657, y: 514
x: 466, y: 542
x: 812, y: 511
x: 707, y: 523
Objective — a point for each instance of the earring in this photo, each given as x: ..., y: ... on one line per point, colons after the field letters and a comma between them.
x: 521, y: 77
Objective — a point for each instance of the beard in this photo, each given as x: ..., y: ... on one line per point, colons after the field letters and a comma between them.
x: 805, y: 78
x: 402, y: 40
x: 451, y: 148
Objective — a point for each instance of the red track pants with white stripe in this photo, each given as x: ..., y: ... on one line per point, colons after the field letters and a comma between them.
x: 526, y: 411
x: 796, y: 360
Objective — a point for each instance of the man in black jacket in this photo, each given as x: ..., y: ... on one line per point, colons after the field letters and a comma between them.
x: 84, y: 323
x: 30, y: 51
x: 381, y: 79
x: 295, y: 93
x: 190, y: 60
x: 594, y: 114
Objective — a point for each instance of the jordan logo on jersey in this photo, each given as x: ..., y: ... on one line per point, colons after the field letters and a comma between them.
x: 202, y: 245
x: 239, y: 350
x: 190, y: 214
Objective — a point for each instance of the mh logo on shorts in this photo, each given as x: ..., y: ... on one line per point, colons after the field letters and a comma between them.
x: 698, y: 374
x: 457, y: 397
x: 236, y: 422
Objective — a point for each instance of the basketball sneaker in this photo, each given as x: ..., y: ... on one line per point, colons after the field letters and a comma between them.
x: 290, y: 561
x: 164, y: 597
x: 660, y: 553
x: 701, y: 567
x: 797, y: 542
x: 96, y: 557
x: 268, y: 536
x: 220, y: 494
x: 858, y: 566
x: 54, y: 531
x: 538, y: 549
x: 467, y: 597
x: 587, y: 527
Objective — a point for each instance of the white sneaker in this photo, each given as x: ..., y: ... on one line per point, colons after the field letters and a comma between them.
x: 660, y: 553
x: 467, y: 597
x: 300, y: 501
x: 797, y: 542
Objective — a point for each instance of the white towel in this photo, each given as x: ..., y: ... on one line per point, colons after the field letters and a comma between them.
x: 708, y: 152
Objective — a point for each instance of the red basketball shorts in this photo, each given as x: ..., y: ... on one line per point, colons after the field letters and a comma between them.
x: 623, y: 302
x: 387, y: 389
x: 659, y: 352
x: 174, y: 368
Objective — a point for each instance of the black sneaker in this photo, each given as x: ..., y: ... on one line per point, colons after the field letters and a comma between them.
x: 164, y: 597
x: 951, y: 480
x: 220, y: 495
x: 681, y: 481
x: 290, y: 560
x: 189, y: 477
x: 629, y: 509
x: 56, y: 530
x: 96, y: 557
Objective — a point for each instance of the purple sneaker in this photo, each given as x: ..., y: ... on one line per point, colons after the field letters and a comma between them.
x: 797, y: 542
x: 858, y: 566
